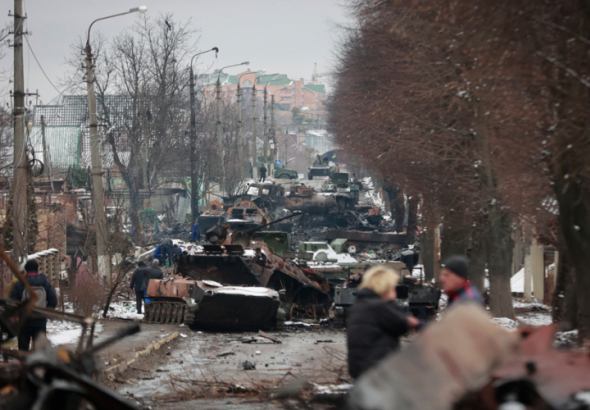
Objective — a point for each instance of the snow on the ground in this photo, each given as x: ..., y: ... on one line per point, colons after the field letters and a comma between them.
x: 124, y: 310
x: 506, y: 323
x: 566, y: 338
x: 535, y: 319
x: 534, y: 305
x: 331, y: 388
x: 63, y: 333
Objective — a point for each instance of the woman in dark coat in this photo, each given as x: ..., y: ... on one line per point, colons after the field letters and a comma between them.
x: 375, y: 322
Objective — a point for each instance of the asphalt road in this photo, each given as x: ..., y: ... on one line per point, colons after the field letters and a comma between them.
x: 203, y: 367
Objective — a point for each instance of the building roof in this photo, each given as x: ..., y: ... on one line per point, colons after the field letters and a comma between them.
x: 316, y: 88
x: 274, y: 79
x: 73, y: 110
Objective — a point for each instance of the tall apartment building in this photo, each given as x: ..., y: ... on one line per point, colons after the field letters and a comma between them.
x: 288, y: 93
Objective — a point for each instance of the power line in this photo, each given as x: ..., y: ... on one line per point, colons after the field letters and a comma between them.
x: 42, y: 70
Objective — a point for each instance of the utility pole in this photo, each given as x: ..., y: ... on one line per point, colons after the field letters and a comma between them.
x: 19, y: 180
x: 46, y: 157
x: 265, y: 131
x: 193, y: 152
x: 253, y: 142
x: 272, y: 133
x: 100, y: 221
x: 219, y: 134
x: 286, y: 147
x: 240, y: 137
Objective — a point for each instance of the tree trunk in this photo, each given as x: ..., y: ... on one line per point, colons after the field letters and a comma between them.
x: 500, y: 246
x: 564, y: 301
x: 134, y: 209
x: 396, y: 198
x: 412, y: 218
x: 477, y: 265
x: 453, y: 241
x: 427, y: 253
x: 574, y: 218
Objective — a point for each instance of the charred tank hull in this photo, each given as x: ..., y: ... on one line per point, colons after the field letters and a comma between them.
x: 210, y: 305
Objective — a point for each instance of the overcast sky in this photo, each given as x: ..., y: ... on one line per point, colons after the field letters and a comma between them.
x: 286, y: 36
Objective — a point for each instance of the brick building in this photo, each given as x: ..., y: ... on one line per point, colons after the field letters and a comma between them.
x: 288, y: 93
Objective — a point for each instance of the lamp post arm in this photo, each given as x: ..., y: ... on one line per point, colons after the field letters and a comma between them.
x: 104, y: 18
x: 203, y: 52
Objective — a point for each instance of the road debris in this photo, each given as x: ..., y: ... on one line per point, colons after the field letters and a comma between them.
x: 269, y: 337
x: 226, y: 353
x: 248, y: 365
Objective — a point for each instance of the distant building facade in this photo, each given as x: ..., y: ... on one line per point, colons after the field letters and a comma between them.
x: 319, y: 140
x: 288, y: 93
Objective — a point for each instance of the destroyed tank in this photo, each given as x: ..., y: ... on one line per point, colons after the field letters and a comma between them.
x: 224, y: 286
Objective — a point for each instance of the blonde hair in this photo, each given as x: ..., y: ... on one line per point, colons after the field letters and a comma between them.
x: 380, y: 279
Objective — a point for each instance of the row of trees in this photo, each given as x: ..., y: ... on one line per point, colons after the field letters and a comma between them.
x: 149, y: 138
x: 480, y: 108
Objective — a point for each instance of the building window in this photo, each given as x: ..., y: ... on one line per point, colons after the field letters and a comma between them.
x: 247, y: 82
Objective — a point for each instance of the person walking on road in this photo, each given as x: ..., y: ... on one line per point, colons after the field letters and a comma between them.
x: 263, y: 171
x: 46, y: 299
x: 454, y: 278
x: 137, y: 284
x: 375, y: 322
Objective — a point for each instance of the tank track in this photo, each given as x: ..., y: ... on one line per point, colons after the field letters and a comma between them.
x: 168, y: 312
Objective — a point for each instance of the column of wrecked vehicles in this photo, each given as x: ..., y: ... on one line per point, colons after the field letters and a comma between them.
x: 248, y: 274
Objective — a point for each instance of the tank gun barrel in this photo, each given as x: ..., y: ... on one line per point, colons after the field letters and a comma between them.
x: 252, y: 230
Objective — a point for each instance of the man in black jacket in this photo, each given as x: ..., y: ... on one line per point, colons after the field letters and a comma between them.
x: 152, y: 272
x: 137, y: 284
x: 375, y: 322
x: 263, y: 171
x: 47, y: 298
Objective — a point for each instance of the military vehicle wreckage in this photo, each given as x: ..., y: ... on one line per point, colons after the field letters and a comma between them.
x: 225, y: 286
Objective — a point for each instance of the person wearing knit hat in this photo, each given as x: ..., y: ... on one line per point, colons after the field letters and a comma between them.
x: 454, y: 278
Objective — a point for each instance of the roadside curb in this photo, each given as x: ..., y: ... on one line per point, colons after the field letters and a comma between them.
x: 121, y: 367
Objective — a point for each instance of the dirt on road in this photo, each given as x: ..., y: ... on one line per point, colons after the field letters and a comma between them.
x: 237, y: 370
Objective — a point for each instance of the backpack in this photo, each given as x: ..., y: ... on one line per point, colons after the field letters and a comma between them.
x: 42, y: 296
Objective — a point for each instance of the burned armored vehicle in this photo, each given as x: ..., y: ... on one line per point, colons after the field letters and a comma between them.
x: 213, y: 216
x: 227, y: 285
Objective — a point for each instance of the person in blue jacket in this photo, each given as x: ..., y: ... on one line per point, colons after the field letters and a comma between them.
x: 164, y: 253
x: 47, y: 299
x: 176, y: 250
x: 196, y: 235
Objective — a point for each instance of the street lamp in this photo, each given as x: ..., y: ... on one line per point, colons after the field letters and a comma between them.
x: 104, y: 263
x: 218, y: 130
x: 194, y: 186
